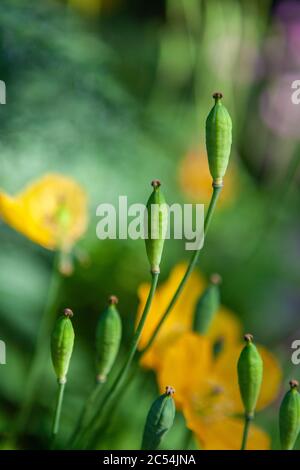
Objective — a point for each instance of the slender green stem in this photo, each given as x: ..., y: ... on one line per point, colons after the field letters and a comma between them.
x: 41, y: 350
x: 112, y: 392
x: 190, y: 268
x: 58, y: 407
x: 113, y: 408
x: 87, y: 410
x: 248, y: 419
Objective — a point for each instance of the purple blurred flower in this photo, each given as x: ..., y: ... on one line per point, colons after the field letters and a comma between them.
x: 288, y: 15
x: 277, y: 110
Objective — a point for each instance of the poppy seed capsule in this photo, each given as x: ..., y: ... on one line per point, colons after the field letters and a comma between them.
x: 159, y: 420
x: 250, y: 373
x: 157, y: 222
x: 289, y: 417
x: 218, y: 139
x: 62, y: 342
x: 108, y: 338
x: 207, y: 306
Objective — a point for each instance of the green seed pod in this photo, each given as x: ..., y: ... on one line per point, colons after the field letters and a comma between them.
x: 62, y: 341
x: 218, y: 139
x: 250, y: 374
x: 289, y: 417
x: 108, y: 338
x: 157, y: 215
x: 207, y: 306
x: 159, y: 420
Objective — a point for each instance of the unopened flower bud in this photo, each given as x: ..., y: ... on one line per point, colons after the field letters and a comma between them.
x: 207, y: 306
x: 108, y: 338
x: 218, y: 139
x: 159, y: 420
x: 62, y: 342
x: 289, y: 417
x: 250, y: 374
x: 157, y: 222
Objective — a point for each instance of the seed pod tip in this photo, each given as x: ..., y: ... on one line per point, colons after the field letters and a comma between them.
x: 294, y: 383
x: 68, y: 313
x: 217, y: 95
x: 155, y: 184
x: 113, y: 300
x: 248, y: 338
x: 170, y: 390
x: 215, y: 279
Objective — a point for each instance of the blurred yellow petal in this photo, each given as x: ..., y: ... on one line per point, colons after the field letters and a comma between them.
x: 52, y: 211
x: 191, y: 352
x: 14, y: 214
x: 225, y: 433
x: 179, y: 320
x: 271, y: 379
x: 225, y: 327
x: 195, y: 179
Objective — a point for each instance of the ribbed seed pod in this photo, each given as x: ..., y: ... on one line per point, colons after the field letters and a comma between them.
x: 62, y: 342
x: 108, y: 338
x: 218, y: 139
x: 207, y: 306
x: 159, y: 420
x: 156, y: 227
x: 289, y: 417
x: 250, y: 374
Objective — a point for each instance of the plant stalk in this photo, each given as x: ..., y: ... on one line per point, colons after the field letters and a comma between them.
x: 248, y: 419
x: 58, y: 408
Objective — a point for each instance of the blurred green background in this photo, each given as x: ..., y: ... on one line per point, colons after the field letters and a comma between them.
x: 115, y: 93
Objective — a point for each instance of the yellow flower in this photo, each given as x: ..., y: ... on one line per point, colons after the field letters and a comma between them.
x: 227, y: 329
x: 207, y: 390
x: 196, y: 182
x: 52, y: 212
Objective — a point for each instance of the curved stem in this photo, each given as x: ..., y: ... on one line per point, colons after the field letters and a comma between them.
x: 248, y: 419
x: 190, y: 268
x: 112, y: 392
x: 41, y: 349
x: 58, y: 407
